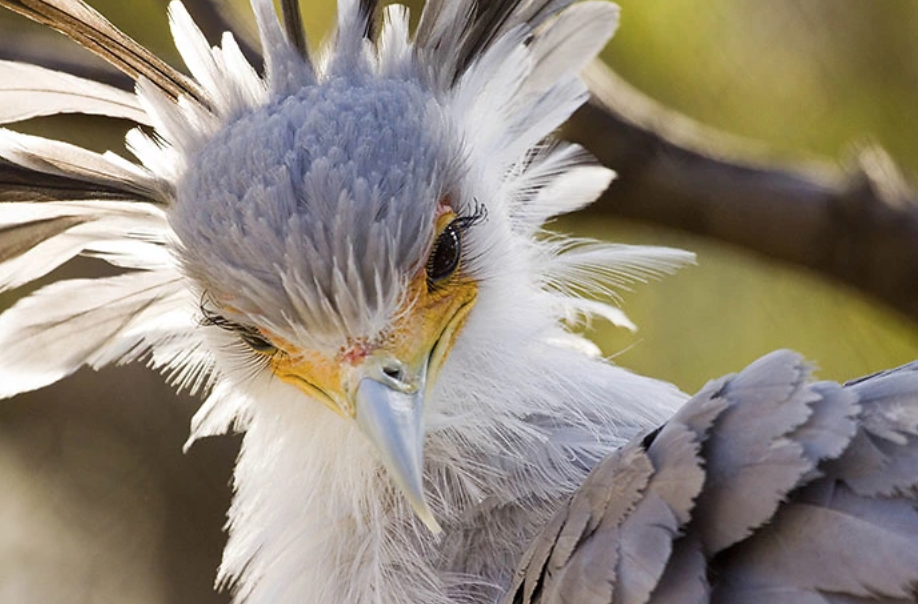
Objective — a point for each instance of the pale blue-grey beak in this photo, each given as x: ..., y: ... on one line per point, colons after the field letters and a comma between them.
x: 390, y: 411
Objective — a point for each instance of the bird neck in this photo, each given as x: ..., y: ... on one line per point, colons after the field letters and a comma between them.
x: 510, y: 433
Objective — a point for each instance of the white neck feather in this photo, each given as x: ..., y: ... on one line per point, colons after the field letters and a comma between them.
x: 511, y: 431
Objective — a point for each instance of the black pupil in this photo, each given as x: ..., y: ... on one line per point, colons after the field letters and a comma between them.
x: 445, y: 256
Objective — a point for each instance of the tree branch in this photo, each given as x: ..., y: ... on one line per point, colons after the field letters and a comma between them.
x: 857, y: 225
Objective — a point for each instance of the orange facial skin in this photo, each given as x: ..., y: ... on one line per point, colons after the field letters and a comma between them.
x: 423, y: 331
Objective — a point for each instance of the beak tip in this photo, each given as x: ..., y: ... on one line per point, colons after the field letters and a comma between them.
x: 434, y: 526
x: 425, y: 515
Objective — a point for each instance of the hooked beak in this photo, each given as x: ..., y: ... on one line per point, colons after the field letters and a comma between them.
x: 385, y: 386
x: 390, y: 414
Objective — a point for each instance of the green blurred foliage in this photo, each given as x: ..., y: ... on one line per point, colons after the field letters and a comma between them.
x: 804, y: 77
x: 732, y: 307
x: 801, y: 75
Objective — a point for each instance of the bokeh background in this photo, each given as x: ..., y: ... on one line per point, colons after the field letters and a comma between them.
x: 97, y: 502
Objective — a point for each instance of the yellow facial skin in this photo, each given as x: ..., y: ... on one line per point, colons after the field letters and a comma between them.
x: 423, y: 331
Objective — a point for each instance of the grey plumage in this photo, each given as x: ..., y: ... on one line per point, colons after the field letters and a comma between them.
x: 317, y: 203
x: 763, y: 488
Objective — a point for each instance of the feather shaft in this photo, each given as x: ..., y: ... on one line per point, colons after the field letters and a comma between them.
x: 84, y: 25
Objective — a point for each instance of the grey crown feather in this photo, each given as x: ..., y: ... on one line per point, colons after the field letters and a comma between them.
x: 762, y: 489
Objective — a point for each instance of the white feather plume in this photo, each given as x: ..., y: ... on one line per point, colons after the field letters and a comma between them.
x: 93, y: 322
x: 121, y: 231
x: 224, y: 72
x: 28, y: 91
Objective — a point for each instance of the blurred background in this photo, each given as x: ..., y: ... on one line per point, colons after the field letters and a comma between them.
x: 98, y: 503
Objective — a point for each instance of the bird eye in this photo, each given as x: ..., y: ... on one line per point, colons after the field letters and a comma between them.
x: 250, y: 335
x: 445, y: 255
x: 256, y: 341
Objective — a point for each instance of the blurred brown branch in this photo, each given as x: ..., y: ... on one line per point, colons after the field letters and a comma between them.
x: 857, y: 224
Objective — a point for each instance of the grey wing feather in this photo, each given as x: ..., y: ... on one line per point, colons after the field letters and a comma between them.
x: 590, y: 538
x: 883, y: 457
x: 622, y: 495
x: 831, y: 427
x: 764, y: 488
x: 685, y: 580
x: 750, y: 461
x: 562, y: 557
x: 834, y: 542
x: 648, y: 533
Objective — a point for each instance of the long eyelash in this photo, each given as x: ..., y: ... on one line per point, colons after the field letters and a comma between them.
x: 466, y: 221
x: 256, y: 363
x: 210, y: 318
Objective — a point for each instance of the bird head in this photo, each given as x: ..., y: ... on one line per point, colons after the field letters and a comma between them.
x: 342, y: 226
x: 340, y: 229
x: 331, y: 232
